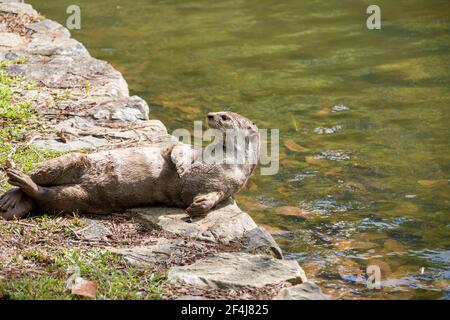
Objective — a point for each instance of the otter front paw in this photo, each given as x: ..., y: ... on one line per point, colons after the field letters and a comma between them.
x: 203, y: 203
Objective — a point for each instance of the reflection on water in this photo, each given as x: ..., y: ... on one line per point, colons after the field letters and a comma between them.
x: 363, y: 118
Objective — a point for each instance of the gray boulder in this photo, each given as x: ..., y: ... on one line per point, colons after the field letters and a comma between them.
x: 236, y: 270
x: 75, y: 72
x: 223, y: 224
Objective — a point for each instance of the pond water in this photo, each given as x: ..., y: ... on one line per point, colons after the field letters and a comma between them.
x: 363, y: 118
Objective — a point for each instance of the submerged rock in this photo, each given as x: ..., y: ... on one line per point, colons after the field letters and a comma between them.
x: 333, y: 155
x: 224, y: 224
x: 339, y: 108
x: 325, y: 205
x: 332, y: 130
x: 236, y: 270
x: 304, y: 291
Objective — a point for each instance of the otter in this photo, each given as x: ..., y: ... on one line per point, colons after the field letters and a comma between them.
x: 119, y: 179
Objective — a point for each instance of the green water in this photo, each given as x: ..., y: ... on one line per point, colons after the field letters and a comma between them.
x: 285, y: 64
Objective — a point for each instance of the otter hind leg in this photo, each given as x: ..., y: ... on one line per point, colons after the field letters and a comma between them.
x: 63, y: 170
x: 15, y: 204
x: 23, y: 181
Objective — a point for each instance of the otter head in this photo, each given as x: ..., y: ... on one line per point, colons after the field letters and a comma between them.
x: 225, y: 120
x: 229, y: 122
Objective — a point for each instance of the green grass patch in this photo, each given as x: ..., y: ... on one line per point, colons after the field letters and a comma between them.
x: 17, y: 121
x: 115, y: 280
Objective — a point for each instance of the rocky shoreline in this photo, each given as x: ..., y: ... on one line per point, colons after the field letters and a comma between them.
x: 83, y: 103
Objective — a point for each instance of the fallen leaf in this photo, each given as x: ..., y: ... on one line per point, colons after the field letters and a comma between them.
x: 392, y: 245
x: 312, y: 160
x: 293, y: 146
x: 432, y: 183
x: 252, y: 187
x: 333, y: 171
x: 322, y: 112
x: 188, y: 109
x: 84, y: 288
x: 384, y: 267
x: 273, y: 230
x: 351, y: 244
x: 288, y: 163
x: 290, y: 211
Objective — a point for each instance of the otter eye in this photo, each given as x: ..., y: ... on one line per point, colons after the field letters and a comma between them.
x: 225, y: 117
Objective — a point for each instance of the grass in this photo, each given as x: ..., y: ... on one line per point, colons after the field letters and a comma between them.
x: 17, y: 122
x: 40, y: 254
x: 115, y: 280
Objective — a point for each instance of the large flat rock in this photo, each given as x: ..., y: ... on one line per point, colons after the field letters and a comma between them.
x: 223, y: 224
x: 236, y: 270
x: 162, y: 251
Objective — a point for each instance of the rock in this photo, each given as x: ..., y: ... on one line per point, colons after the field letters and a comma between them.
x: 304, y: 291
x: 339, y: 108
x: 151, y: 130
x: 322, y: 130
x: 50, y: 28
x: 75, y: 72
x: 94, y: 230
x: 162, y: 251
x: 3, y: 27
x: 236, y: 270
x: 333, y: 155
x: 126, y: 109
x: 190, y: 297
x: 18, y: 8
x: 47, y: 45
x: 325, y: 205
x: 223, y: 224
x: 291, y: 211
x: 12, y: 40
x: 259, y: 241
x: 83, y: 143
x: 11, y: 56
